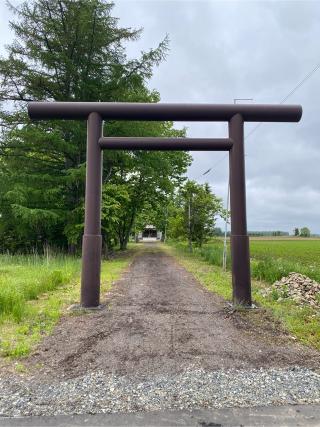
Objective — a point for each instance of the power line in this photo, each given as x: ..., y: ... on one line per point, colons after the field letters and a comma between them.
x: 283, y: 100
x: 307, y: 77
x: 205, y: 173
x: 214, y: 165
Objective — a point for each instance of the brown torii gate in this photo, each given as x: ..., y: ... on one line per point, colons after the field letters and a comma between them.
x: 96, y: 112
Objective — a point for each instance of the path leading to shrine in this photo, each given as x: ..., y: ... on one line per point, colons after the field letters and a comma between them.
x: 162, y: 343
x: 159, y: 318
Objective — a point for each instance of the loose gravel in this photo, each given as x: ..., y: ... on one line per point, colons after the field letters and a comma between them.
x: 98, y: 392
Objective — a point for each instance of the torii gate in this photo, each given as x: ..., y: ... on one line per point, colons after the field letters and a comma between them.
x: 96, y: 112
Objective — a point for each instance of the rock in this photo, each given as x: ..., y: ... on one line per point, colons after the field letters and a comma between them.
x: 298, y: 287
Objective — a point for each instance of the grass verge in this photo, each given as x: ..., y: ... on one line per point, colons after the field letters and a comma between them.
x: 35, y: 293
x: 300, y: 321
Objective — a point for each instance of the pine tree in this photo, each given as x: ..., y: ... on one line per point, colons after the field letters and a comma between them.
x: 70, y: 50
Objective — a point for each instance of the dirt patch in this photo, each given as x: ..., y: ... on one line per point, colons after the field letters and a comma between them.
x: 160, y: 319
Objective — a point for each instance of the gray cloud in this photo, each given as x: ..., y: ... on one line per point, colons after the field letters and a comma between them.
x: 225, y: 50
x: 261, y: 50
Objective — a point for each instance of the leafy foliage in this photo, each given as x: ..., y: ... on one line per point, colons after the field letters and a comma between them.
x: 67, y: 50
x: 305, y: 232
x: 193, y: 214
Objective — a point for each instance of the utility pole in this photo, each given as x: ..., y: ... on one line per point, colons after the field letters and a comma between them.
x: 224, y: 258
x: 190, y: 242
x: 165, y: 225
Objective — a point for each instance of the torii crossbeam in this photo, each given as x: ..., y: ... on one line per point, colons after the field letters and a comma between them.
x: 96, y: 112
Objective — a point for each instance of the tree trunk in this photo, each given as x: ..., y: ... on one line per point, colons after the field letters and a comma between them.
x: 123, y: 244
x: 72, y: 249
x: 124, y: 237
x: 105, y: 247
x: 124, y: 241
x: 121, y: 235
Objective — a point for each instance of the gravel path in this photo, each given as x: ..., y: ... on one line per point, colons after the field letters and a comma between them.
x: 164, y: 342
x: 98, y: 392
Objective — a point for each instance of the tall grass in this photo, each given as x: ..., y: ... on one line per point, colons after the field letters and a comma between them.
x: 26, y: 277
x: 34, y: 292
x: 270, y: 260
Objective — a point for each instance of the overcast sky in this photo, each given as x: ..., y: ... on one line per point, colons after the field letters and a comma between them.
x: 225, y: 50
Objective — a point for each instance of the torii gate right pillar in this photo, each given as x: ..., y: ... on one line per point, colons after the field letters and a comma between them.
x: 240, y: 258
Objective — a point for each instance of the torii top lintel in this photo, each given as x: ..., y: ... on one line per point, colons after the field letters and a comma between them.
x: 164, y: 111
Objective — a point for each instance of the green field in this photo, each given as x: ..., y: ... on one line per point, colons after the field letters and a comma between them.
x: 306, y: 252
x: 271, y: 259
x: 274, y: 259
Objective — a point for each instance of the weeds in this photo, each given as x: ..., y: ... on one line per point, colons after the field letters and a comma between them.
x: 23, y: 279
x: 35, y: 291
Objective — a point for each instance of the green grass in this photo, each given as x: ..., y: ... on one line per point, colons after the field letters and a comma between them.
x: 306, y: 252
x: 35, y: 292
x: 274, y: 259
x: 24, y: 278
x: 205, y: 264
x: 270, y: 259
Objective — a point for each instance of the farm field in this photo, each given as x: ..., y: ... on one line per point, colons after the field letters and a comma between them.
x: 304, y: 251
x: 35, y: 292
x: 271, y: 259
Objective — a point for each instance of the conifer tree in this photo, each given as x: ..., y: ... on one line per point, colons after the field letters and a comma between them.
x: 73, y: 50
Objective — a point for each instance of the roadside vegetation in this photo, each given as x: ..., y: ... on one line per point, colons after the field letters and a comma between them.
x: 271, y: 260
x: 35, y: 292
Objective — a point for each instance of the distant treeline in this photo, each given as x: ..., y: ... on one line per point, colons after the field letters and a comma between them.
x: 219, y: 232
x: 268, y: 233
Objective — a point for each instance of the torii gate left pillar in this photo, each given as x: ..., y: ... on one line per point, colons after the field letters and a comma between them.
x: 92, y: 239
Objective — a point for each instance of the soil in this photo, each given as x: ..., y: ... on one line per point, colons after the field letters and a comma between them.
x: 159, y: 319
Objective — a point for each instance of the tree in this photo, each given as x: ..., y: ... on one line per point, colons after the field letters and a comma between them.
x: 195, y: 213
x: 218, y: 232
x: 153, y: 213
x: 156, y: 212
x: 114, y: 198
x: 150, y: 177
x: 67, y: 50
x: 305, y: 232
x: 296, y: 232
